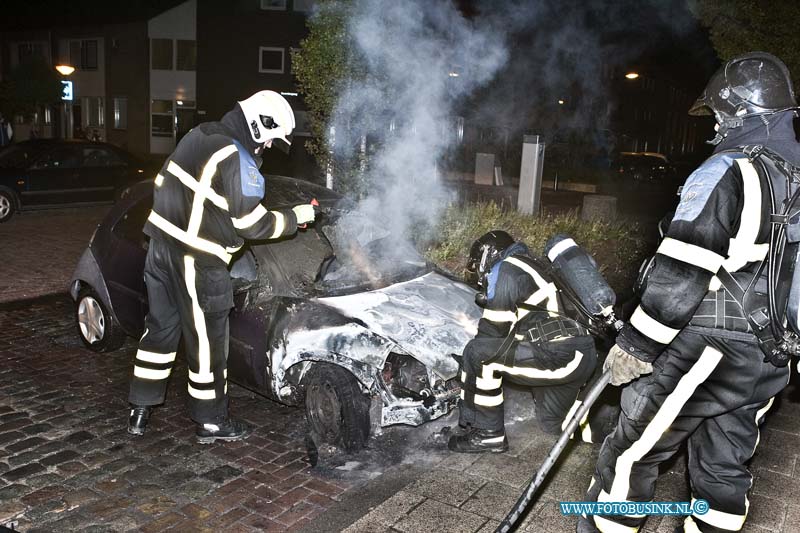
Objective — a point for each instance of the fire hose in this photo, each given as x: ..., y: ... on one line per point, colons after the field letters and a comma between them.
x: 525, y: 499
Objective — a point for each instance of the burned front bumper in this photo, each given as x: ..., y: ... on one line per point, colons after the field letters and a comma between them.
x: 415, y: 413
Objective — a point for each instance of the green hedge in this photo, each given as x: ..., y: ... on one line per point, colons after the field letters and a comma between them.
x: 618, y: 246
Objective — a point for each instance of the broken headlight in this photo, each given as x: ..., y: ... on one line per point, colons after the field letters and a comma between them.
x: 406, y: 377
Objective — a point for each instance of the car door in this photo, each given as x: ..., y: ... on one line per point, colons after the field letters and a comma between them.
x: 103, y: 170
x: 53, y: 177
x: 127, y: 250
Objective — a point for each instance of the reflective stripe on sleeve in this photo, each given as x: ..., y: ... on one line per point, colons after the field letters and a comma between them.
x: 195, y: 242
x: 280, y: 224
x: 150, y: 373
x: 157, y: 358
x: 691, y: 254
x: 651, y: 327
x: 743, y: 248
x: 159, y: 180
x: 251, y: 218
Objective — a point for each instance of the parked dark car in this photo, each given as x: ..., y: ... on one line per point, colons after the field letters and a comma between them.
x: 49, y: 172
x: 341, y: 317
x: 644, y: 168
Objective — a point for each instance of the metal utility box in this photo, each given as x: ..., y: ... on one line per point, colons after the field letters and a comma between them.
x: 530, y: 175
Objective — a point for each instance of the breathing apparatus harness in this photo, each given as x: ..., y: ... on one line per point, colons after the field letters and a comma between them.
x: 777, y: 336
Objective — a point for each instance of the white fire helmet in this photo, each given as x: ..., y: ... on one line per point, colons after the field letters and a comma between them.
x: 269, y: 116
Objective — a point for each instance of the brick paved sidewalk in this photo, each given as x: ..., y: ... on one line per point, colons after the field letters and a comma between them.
x: 39, y: 249
x: 68, y: 464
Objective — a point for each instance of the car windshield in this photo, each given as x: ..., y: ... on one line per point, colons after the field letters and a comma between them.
x: 18, y: 155
x: 366, y: 256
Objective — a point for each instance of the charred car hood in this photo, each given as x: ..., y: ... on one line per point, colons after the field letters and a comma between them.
x: 428, y: 317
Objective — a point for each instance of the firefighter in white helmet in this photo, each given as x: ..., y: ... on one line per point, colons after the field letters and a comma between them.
x: 206, y: 203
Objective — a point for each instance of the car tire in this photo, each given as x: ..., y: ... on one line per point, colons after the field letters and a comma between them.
x: 8, y: 204
x: 336, y: 410
x: 96, y: 327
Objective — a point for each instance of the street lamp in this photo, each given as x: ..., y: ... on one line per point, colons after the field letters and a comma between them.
x: 632, y: 75
x: 65, y: 70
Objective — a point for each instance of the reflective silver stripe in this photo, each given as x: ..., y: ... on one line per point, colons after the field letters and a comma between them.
x: 195, y: 242
x: 492, y: 440
x: 586, y: 430
x: 203, y: 347
x: 743, y: 248
x: 488, y: 382
x: 607, y: 526
x: 606, y: 497
x: 206, y: 175
x: 761, y: 412
x: 201, y: 394
x: 652, y: 328
x: 199, y: 189
x: 691, y: 254
x: 662, y: 420
x: 488, y: 401
x: 251, y: 218
x: 149, y: 373
x: 280, y: 224
x: 546, y: 291
x: 727, y: 521
x: 499, y: 316
x: 159, y: 180
x: 207, y: 377
x: 690, y: 526
x: 559, y: 248
x: 157, y: 358
x: 556, y: 373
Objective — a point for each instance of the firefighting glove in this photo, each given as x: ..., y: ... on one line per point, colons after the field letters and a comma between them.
x: 304, y: 213
x: 624, y: 367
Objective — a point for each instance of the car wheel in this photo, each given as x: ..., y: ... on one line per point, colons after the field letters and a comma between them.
x: 8, y: 203
x: 336, y: 409
x: 96, y: 327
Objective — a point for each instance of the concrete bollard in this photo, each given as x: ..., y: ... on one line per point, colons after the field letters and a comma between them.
x: 599, y: 207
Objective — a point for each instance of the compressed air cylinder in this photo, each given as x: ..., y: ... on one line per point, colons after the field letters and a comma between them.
x: 579, y: 271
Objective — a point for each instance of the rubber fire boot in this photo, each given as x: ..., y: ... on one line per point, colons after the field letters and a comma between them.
x: 476, y: 440
x: 228, y: 430
x: 137, y: 422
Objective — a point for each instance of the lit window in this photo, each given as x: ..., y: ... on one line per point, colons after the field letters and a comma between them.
x: 121, y: 113
x: 270, y: 60
x: 162, y: 118
x: 93, y: 111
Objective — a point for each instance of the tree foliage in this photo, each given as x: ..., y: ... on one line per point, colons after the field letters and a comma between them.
x: 740, y: 26
x: 29, y: 86
x: 321, y: 65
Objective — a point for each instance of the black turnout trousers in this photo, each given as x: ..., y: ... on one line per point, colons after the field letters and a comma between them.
x: 193, y: 301
x: 711, y: 389
x: 555, y: 371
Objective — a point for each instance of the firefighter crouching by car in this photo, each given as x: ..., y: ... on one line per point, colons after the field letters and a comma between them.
x: 206, y: 202
x: 705, y: 381
x: 525, y: 337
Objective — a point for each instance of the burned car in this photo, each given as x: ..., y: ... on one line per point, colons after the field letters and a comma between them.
x: 341, y: 317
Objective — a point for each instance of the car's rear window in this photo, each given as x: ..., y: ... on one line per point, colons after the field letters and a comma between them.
x: 19, y: 155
